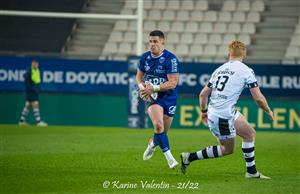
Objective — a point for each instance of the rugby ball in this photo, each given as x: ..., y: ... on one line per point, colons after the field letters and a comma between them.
x: 147, y: 98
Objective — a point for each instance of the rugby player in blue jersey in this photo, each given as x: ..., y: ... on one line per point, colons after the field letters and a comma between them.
x: 159, y: 68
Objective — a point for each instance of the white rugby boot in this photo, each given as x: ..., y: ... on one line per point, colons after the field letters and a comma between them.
x: 256, y: 175
x: 148, y: 153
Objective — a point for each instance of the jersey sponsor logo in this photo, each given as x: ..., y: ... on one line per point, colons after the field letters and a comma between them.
x: 174, y: 67
x: 160, y: 69
x: 155, y: 80
x: 161, y: 59
x: 172, y: 110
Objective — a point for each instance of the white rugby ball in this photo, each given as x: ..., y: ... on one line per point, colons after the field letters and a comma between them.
x: 148, y: 98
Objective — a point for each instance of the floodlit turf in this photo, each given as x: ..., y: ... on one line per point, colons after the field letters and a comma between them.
x: 86, y: 159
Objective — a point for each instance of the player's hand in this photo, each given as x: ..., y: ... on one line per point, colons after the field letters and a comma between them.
x: 270, y: 115
x: 204, y: 117
x: 148, y: 89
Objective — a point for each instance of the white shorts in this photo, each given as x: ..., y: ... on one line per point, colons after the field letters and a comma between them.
x: 222, y: 128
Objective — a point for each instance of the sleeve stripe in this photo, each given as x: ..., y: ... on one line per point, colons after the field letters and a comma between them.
x: 253, y: 85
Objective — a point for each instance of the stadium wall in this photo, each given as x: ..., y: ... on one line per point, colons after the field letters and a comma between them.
x: 103, y: 110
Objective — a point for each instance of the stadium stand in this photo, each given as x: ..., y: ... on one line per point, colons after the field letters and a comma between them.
x: 32, y: 34
x: 268, y: 27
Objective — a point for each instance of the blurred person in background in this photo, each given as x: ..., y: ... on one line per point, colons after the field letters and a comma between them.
x: 32, y: 89
x: 224, y: 121
x: 159, y: 68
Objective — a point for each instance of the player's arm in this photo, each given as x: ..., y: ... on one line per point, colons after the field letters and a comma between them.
x: 173, y: 79
x: 203, y: 101
x: 261, y: 101
x: 139, y: 77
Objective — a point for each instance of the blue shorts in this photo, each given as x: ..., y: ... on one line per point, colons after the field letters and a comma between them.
x: 169, y: 106
x: 31, y: 96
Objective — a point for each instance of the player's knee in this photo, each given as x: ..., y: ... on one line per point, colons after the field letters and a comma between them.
x: 250, y: 135
x: 158, y: 125
x: 226, y: 150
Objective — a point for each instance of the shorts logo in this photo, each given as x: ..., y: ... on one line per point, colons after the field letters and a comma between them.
x: 161, y: 59
x: 172, y: 110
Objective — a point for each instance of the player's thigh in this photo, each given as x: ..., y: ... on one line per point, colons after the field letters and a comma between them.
x: 243, y: 128
x: 221, y: 128
x: 167, y: 122
x: 156, y: 114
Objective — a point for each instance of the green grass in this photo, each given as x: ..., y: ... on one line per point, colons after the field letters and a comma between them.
x: 79, y: 160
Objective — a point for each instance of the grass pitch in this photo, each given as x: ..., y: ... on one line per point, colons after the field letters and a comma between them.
x: 87, y: 159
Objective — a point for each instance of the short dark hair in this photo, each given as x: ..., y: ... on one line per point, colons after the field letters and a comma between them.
x: 158, y: 33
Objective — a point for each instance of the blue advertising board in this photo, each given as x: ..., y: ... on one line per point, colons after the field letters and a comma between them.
x: 111, y: 77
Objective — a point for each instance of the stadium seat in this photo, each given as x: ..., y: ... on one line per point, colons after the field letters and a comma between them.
x: 243, y: 5
x: 170, y: 47
x: 225, y: 16
x: 220, y: 27
x: 116, y: 37
x: 196, y: 16
x: 145, y: 37
x: 258, y: 6
x: 132, y: 26
x: 191, y: 27
x: 297, y: 29
x: 147, y: 4
x: 129, y: 37
x: 173, y: 5
x: 248, y: 28
x: 130, y: 4
x: 201, y: 5
x: 295, y: 40
x: 187, y: 5
x: 195, y: 50
x: 215, y: 39
x: 210, y: 50
x: 234, y: 28
x: 154, y: 15
x: 206, y: 27
x: 168, y: 15
x: 239, y: 17
x: 125, y: 48
x: 172, y: 37
x: 210, y: 16
x: 222, y: 51
x: 293, y: 52
x: 245, y: 38
x: 182, y: 15
x: 201, y: 39
x: 109, y: 48
x: 187, y: 38
x: 159, y: 4
x: 164, y: 26
x: 253, y: 17
x: 121, y: 25
x: 149, y: 26
x: 182, y: 49
x: 229, y: 5
x: 227, y: 38
x: 127, y: 12
x: 177, y: 27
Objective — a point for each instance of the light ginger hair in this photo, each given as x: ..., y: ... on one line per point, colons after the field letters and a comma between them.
x: 237, y: 49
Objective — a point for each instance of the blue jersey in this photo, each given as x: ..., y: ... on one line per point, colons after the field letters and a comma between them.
x: 156, y: 70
